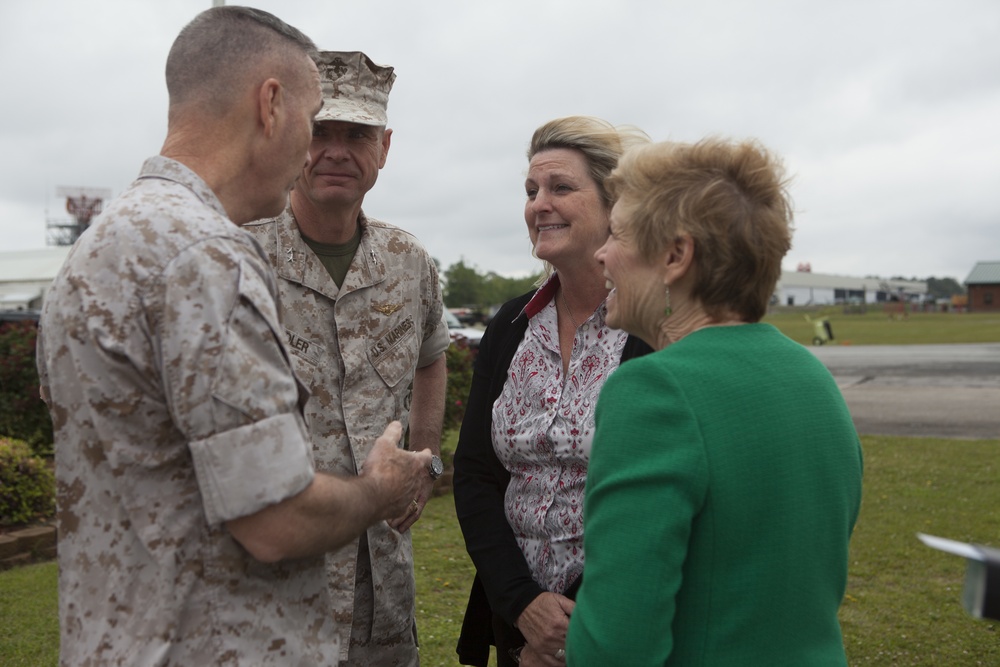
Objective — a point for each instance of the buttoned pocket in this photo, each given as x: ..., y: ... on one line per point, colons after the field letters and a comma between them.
x: 394, y: 353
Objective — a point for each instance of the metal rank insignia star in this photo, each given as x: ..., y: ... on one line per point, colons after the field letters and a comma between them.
x: 387, y: 308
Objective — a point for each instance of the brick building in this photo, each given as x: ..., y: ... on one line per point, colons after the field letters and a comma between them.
x: 983, y: 284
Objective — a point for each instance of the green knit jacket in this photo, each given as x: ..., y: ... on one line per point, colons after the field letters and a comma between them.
x: 724, y: 483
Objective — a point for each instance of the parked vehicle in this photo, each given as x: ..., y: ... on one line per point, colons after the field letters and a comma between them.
x: 457, y: 330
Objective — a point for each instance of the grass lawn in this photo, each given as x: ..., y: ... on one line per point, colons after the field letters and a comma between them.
x: 903, y: 599
x: 29, y: 616
x: 880, y: 327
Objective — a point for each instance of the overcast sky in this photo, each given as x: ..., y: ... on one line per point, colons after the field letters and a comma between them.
x: 887, y: 112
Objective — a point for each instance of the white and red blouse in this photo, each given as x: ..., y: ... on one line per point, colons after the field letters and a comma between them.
x: 543, y: 426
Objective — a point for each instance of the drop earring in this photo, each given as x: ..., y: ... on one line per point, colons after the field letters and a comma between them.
x: 668, y: 310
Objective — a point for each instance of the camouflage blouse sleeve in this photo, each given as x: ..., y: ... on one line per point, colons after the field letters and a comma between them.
x: 435, y: 329
x: 229, y: 380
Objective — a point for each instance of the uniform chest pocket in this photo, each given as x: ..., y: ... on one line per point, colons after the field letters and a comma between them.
x: 394, y: 353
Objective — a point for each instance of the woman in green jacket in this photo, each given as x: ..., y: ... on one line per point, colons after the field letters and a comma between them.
x: 725, y: 475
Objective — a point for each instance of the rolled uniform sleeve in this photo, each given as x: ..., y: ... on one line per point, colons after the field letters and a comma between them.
x: 436, y: 336
x: 229, y: 380
x: 435, y: 345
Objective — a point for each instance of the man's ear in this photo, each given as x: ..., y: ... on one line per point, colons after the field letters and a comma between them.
x: 270, y: 100
x: 386, y: 141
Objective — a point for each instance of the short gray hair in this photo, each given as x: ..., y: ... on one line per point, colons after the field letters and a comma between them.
x: 215, y: 54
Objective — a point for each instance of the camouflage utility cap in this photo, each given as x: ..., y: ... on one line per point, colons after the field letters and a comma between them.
x: 355, y: 89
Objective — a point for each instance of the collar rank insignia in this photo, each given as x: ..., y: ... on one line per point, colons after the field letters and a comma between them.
x: 387, y: 308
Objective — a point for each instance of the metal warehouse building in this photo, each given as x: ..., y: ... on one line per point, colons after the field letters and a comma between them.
x: 804, y: 288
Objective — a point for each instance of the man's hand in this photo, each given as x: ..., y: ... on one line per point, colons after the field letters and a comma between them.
x: 399, y: 477
x: 414, y: 510
x: 426, y: 413
x: 544, y: 623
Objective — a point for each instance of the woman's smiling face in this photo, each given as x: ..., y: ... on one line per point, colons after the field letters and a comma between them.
x: 566, y: 217
x: 637, y: 300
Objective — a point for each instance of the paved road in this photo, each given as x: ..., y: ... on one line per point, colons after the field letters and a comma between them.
x: 935, y: 391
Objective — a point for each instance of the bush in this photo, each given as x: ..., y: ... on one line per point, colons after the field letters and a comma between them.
x: 27, y: 485
x: 459, y: 358
x: 23, y: 414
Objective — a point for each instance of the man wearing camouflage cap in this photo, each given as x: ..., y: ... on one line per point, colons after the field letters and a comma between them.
x: 362, y: 311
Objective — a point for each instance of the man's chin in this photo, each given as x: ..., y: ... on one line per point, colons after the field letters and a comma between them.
x: 274, y: 209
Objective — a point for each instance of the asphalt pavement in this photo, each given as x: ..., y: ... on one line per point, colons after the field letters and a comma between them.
x: 933, y: 391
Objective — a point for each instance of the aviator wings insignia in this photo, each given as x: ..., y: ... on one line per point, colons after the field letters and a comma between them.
x: 387, y: 308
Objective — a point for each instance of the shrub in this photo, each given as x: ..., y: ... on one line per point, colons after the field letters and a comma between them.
x: 459, y: 358
x: 27, y: 485
x: 23, y: 414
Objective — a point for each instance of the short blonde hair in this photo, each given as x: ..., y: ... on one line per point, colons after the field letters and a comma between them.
x: 730, y: 197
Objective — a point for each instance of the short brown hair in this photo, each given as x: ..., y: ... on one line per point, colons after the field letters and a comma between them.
x: 730, y: 197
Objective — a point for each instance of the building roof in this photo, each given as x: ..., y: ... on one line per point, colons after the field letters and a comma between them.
x: 984, y: 273
x: 38, y: 264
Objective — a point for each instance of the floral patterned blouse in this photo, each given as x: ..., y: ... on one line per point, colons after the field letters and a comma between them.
x: 543, y: 426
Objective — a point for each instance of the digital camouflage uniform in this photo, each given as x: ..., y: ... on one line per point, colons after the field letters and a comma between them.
x: 356, y: 348
x: 175, y: 409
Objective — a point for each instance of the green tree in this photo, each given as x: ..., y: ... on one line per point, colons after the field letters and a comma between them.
x: 943, y: 288
x: 500, y: 289
x: 463, y: 286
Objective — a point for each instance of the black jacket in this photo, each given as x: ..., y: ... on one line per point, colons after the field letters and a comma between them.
x: 503, y: 583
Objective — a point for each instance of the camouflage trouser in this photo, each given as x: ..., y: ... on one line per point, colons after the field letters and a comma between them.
x: 368, y: 651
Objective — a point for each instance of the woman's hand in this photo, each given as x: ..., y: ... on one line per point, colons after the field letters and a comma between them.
x: 544, y: 623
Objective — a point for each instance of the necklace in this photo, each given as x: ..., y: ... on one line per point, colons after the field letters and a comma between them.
x: 569, y: 311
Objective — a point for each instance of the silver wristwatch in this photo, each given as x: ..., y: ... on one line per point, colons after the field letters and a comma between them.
x: 436, y: 468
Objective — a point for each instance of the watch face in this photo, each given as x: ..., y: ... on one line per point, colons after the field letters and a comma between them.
x: 437, y: 467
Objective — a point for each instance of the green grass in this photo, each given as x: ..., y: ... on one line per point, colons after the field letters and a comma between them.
x: 29, y: 616
x: 444, y: 575
x: 876, y: 327
x: 903, y: 599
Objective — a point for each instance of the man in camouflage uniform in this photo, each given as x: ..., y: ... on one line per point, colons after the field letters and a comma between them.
x: 362, y: 311
x: 192, y: 524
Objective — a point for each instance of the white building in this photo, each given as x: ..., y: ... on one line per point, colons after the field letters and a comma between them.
x: 25, y: 276
x: 804, y: 288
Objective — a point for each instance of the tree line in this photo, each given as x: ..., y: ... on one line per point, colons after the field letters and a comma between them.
x: 466, y: 287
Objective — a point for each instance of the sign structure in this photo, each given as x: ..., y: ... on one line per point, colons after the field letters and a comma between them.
x: 81, y: 203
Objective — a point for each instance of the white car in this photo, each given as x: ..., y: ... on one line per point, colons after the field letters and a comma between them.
x: 456, y: 330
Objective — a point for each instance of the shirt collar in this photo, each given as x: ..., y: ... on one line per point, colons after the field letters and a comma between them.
x: 541, y: 298
x: 167, y: 169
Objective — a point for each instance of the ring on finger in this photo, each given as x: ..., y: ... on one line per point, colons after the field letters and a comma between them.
x: 560, y: 654
x: 414, y: 506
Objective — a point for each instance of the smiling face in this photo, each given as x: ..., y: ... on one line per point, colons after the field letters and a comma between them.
x: 566, y: 219
x: 345, y: 159
x: 637, y: 301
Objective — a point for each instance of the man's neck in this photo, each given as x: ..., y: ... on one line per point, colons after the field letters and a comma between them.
x: 329, y: 225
